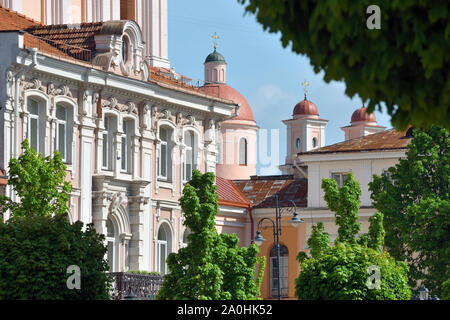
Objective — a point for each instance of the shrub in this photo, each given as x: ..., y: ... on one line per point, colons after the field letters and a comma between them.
x: 35, y: 252
x: 342, y: 272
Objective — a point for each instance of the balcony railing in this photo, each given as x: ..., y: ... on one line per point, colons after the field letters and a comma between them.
x: 142, y: 286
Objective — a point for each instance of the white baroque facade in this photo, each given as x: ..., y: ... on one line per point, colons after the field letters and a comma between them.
x: 129, y: 142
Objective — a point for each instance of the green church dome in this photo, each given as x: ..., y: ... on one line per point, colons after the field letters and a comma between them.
x: 215, y: 57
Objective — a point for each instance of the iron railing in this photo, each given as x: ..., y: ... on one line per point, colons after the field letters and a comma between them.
x: 140, y: 286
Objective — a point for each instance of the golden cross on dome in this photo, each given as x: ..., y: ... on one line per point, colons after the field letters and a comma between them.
x: 305, y: 84
x: 215, y: 40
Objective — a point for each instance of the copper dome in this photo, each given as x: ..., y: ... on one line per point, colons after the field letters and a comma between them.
x: 361, y: 115
x: 305, y: 107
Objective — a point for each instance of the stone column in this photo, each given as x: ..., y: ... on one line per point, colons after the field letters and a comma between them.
x: 136, y: 205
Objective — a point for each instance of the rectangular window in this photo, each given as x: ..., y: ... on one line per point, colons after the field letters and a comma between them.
x: 61, y: 135
x: 33, y: 125
x: 189, y: 164
x: 110, y: 247
x: 105, y: 152
x: 284, y: 276
x: 124, y: 140
x: 243, y: 152
x: 340, y: 178
x: 164, y: 160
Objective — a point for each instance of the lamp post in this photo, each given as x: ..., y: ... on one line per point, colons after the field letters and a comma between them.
x: 295, y: 221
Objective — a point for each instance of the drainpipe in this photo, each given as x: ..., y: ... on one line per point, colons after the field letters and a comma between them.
x: 33, y: 51
x: 234, y: 115
x: 251, y: 223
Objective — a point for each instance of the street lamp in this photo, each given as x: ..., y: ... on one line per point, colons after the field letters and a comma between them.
x: 423, y: 293
x: 295, y: 221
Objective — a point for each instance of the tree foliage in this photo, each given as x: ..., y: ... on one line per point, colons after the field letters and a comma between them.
x: 404, y: 64
x: 345, y: 203
x: 415, y: 201
x: 40, y: 184
x: 38, y: 243
x: 342, y: 272
x: 345, y: 270
x: 35, y: 252
x: 212, y: 266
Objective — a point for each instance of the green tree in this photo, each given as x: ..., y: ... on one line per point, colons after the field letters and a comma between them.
x: 445, y: 291
x: 415, y: 200
x: 40, y: 184
x: 403, y: 65
x: 35, y: 252
x: 212, y: 266
x: 347, y: 270
x: 38, y: 243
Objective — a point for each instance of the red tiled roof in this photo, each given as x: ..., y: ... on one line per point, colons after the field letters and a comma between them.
x: 73, y: 39
x: 261, y: 190
x: 12, y: 20
x: 76, y: 42
x: 384, y: 140
x: 229, y: 194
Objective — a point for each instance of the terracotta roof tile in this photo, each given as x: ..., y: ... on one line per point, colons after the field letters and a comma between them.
x: 75, y: 40
x: 261, y: 190
x: 229, y: 194
x: 11, y: 20
x: 384, y: 140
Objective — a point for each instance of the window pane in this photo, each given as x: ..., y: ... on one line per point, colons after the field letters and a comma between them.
x: 344, y: 177
x: 162, y: 234
x: 124, y: 153
x: 163, y: 134
x: 162, y: 261
x: 34, y: 136
x: 62, y: 139
x: 243, y: 151
x: 109, y: 228
x: 337, y: 178
x: 105, y: 150
x: 60, y: 112
x: 111, y: 255
x: 297, y: 143
x: 33, y: 107
x: 189, y: 139
x: 163, y: 160
x: 189, y: 164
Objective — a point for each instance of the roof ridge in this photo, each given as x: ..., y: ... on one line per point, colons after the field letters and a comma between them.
x: 20, y: 15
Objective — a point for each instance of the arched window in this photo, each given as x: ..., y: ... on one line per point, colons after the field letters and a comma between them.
x: 283, y: 269
x: 111, y: 245
x: 163, y: 248
x: 164, y: 155
x: 298, y: 143
x: 314, y: 142
x: 243, y: 152
x: 189, y: 156
x: 124, y: 50
x: 33, y: 132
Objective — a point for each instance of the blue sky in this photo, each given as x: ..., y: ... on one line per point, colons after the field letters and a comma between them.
x: 266, y: 74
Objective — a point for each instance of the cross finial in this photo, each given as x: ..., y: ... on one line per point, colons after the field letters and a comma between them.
x: 215, y: 40
x: 305, y: 84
